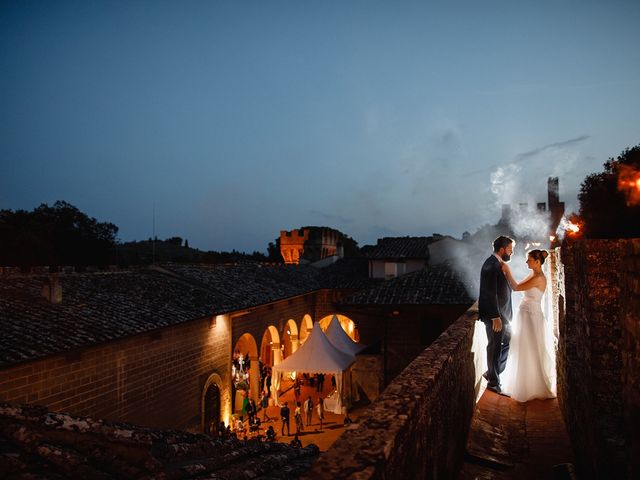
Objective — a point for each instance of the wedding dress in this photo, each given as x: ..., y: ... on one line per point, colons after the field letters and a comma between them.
x: 530, y: 370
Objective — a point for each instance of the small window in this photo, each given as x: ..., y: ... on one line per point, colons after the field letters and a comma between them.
x: 390, y: 269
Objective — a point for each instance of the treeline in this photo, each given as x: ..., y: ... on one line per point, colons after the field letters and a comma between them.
x: 56, y: 235
x: 63, y: 235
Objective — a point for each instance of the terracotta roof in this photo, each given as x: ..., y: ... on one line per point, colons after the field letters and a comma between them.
x: 95, y: 308
x: 36, y: 443
x: 400, y: 248
x: 99, y: 307
x: 437, y: 285
x: 250, y: 284
x: 352, y: 273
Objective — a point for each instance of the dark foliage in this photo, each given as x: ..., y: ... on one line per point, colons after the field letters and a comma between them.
x: 604, y: 210
x: 57, y: 235
x: 146, y: 252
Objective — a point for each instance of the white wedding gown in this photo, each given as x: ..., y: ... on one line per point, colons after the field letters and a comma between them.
x: 530, y: 370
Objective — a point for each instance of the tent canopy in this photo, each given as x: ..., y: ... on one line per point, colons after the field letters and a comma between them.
x: 316, y: 355
x: 339, y: 338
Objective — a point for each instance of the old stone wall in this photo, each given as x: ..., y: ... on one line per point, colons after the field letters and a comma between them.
x: 418, y: 427
x: 598, y: 354
x: 154, y: 379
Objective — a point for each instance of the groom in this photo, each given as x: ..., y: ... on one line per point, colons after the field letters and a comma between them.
x: 494, y: 308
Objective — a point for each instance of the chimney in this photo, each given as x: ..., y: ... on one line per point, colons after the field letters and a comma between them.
x: 52, y: 289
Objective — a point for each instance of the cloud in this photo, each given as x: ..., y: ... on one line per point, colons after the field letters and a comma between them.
x: 557, y: 145
x: 330, y: 217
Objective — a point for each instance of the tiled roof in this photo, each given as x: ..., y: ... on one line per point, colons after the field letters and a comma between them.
x: 437, y: 285
x: 35, y: 443
x: 400, y: 248
x: 350, y: 273
x: 95, y: 308
x: 251, y: 284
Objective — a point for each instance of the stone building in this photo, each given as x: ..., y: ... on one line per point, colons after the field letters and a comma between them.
x: 310, y: 244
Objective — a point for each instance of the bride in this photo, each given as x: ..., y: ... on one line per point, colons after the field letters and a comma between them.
x: 531, y: 364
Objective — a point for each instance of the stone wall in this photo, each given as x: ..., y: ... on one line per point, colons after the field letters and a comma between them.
x: 417, y: 428
x: 598, y: 360
x: 154, y: 379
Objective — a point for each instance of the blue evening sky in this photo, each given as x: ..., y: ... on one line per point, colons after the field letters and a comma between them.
x: 238, y: 119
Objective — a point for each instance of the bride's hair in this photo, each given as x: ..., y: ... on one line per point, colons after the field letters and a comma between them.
x: 539, y: 255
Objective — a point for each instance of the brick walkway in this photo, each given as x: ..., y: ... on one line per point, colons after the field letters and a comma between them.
x: 517, y: 440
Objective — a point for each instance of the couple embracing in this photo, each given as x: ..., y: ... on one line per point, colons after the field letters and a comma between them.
x: 523, y: 355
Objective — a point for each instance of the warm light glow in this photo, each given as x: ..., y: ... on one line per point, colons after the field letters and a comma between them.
x: 288, y: 332
x: 552, y: 238
x: 573, y: 229
x: 629, y: 184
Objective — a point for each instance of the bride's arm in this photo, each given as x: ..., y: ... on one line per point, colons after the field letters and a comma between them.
x: 526, y: 284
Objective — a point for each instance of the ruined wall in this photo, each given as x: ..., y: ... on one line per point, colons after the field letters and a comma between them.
x: 418, y: 427
x: 154, y: 379
x: 598, y: 354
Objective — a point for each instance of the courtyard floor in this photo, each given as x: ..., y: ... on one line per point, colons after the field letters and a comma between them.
x: 332, y: 426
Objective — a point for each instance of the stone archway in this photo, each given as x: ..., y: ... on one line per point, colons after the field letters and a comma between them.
x: 290, y: 340
x: 306, y: 325
x: 346, y: 323
x: 245, y: 370
x: 270, y: 351
x: 211, y: 403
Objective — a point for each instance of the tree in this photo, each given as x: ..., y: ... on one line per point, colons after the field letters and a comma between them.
x: 57, y: 235
x: 605, y: 209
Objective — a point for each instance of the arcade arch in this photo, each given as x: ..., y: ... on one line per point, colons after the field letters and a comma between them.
x: 346, y: 323
x: 245, y: 371
x: 290, y: 340
x: 305, y: 328
x: 270, y: 351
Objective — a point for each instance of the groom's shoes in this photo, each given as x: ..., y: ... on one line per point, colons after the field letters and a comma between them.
x: 495, y: 388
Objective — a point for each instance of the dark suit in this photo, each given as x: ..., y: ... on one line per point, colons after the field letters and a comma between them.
x: 495, y: 301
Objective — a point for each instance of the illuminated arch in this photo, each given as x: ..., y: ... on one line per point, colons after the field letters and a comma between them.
x: 347, y: 324
x: 290, y: 340
x: 270, y: 342
x: 246, y: 344
x: 305, y: 328
x: 213, y: 408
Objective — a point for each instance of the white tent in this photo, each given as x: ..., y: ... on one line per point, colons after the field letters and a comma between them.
x: 339, y: 338
x: 316, y: 355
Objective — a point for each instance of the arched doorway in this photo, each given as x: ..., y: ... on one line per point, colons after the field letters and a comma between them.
x: 290, y: 340
x: 345, y: 322
x: 245, y: 371
x: 211, y: 405
x: 270, y: 352
x: 305, y: 328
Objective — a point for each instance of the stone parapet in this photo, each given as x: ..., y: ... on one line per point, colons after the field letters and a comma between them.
x: 599, y: 355
x: 417, y: 428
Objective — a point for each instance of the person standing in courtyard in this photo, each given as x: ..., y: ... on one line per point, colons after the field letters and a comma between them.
x: 320, y: 411
x: 284, y: 414
x: 308, y: 409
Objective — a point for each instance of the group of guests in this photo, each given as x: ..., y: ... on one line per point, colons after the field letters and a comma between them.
x: 285, y: 413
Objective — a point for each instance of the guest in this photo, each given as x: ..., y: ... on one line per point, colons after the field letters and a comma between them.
x: 308, y: 408
x: 320, y: 411
x: 264, y: 403
x: 298, y: 417
x: 271, y: 434
x: 284, y: 414
x: 296, y: 442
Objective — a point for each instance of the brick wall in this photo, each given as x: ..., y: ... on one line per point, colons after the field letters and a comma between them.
x: 418, y: 427
x: 153, y: 379
x: 598, y: 361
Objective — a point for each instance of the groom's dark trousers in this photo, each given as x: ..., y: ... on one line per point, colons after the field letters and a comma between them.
x: 495, y: 301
